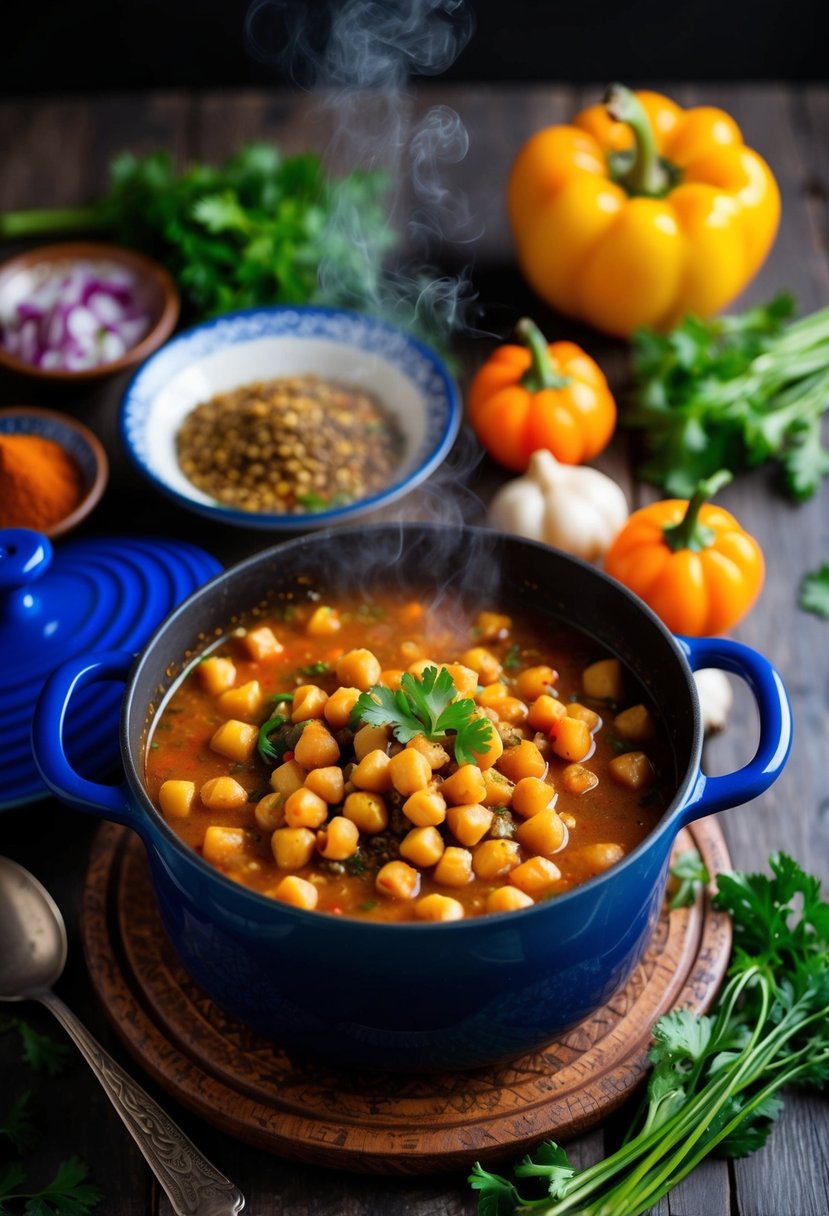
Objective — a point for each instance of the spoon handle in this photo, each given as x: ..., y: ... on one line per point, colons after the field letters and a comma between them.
x: 193, y: 1186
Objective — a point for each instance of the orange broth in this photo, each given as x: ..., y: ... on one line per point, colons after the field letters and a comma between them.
x: 602, y: 814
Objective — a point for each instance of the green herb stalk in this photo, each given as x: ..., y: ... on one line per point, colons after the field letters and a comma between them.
x: 716, y: 1080
x: 258, y: 229
x: 734, y: 392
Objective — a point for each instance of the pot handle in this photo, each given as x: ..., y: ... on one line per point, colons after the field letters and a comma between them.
x: 112, y: 801
x: 712, y: 794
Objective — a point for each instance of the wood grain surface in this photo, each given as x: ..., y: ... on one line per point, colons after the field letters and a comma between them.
x: 56, y: 152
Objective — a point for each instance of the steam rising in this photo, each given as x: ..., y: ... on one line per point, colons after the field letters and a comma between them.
x: 357, y: 58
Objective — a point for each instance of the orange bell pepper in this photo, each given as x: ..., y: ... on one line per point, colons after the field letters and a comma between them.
x: 690, y: 561
x: 538, y: 396
x: 640, y: 212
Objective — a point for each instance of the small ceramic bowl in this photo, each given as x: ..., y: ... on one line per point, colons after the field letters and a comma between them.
x: 240, y: 348
x: 151, y: 290
x: 77, y: 440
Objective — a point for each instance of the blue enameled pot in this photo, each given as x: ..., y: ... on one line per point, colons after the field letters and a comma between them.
x: 416, y: 996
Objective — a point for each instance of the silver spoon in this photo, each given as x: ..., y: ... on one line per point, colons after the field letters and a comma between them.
x: 32, y: 956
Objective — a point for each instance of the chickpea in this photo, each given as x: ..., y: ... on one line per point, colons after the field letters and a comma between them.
x: 296, y: 891
x: 309, y: 702
x: 316, y: 747
x: 495, y: 858
x: 359, y: 668
x: 438, y: 907
x: 269, y: 812
x: 535, y: 682
x: 409, y: 771
x: 464, y: 786
x: 223, y: 794
x: 484, y: 662
x: 508, y: 899
x: 423, y: 846
x: 398, y: 880
x: 367, y: 811
x: 339, y: 839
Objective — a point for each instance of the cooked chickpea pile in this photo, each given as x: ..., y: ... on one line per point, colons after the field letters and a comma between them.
x: 291, y: 445
x: 356, y: 821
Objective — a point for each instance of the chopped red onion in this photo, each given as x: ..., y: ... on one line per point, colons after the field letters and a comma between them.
x: 72, y: 317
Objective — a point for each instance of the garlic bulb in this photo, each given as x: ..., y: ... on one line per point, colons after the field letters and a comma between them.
x: 573, y: 507
x: 715, y: 698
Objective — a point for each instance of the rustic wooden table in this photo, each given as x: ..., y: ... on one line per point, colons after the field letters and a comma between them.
x: 56, y: 152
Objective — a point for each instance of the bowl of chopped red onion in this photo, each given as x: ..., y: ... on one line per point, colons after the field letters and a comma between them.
x: 82, y: 310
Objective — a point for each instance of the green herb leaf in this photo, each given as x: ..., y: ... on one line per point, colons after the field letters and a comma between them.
x: 270, y: 752
x: 497, y: 1196
x: 18, y: 1125
x: 690, y: 872
x: 425, y: 706
x: 315, y: 669
x: 716, y: 1079
x: 42, y: 1052
x: 814, y: 592
x: 512, y: 657
x: 733, y: 392
x: 12, y: 1176
x: 549, y: 1162
x: 68, y: 1194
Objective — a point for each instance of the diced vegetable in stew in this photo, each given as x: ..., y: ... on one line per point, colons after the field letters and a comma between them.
x: 393, y: 762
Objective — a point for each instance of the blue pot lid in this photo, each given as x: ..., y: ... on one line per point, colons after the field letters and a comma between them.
x: 101, y: 593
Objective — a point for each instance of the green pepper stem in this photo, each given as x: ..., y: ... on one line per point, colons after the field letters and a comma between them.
x: 646, y: 175
x: 540, y: 374
x: 689, y: 533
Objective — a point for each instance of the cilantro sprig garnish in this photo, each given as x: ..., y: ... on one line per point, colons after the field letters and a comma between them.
x: 716, y: 1080
x: 427, y: 706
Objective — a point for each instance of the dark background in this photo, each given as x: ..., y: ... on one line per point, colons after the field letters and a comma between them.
x: 61, y: 45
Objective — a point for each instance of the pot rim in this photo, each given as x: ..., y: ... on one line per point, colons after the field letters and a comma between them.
x: 156, y: 823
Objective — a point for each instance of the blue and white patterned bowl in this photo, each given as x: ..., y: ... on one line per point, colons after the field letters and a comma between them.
x: 241, y: 347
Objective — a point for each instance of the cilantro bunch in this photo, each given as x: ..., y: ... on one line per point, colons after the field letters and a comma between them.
x: 716, y: 1080
x: 261, y: 228
x: 733, y: 392
x: 427, y: 706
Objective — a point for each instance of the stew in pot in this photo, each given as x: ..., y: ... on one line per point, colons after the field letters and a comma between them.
x: 396, y: 761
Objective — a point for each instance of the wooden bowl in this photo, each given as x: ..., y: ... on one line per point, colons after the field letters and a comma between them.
x: 77, y: 440
x: 154, y: 286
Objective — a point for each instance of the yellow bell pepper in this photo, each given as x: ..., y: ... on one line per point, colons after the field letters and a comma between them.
x: 640, y: 212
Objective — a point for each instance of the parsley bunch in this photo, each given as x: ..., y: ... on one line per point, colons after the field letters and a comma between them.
x: 261, y: 228
x: 716, y: 1080
x: 734, y: 392
x: 426, y: 706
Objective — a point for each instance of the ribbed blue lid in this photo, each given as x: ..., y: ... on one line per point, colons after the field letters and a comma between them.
x: 101, y: 593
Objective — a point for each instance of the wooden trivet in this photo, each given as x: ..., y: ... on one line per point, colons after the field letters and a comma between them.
x: 369, y: 1121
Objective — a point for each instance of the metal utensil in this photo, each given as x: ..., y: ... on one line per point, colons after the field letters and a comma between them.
x: 32, y: 956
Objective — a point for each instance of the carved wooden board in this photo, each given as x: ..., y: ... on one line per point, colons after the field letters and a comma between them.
x: 368, y: 1121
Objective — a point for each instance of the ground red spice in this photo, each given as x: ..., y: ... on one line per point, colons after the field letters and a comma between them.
x: 40, y: 483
